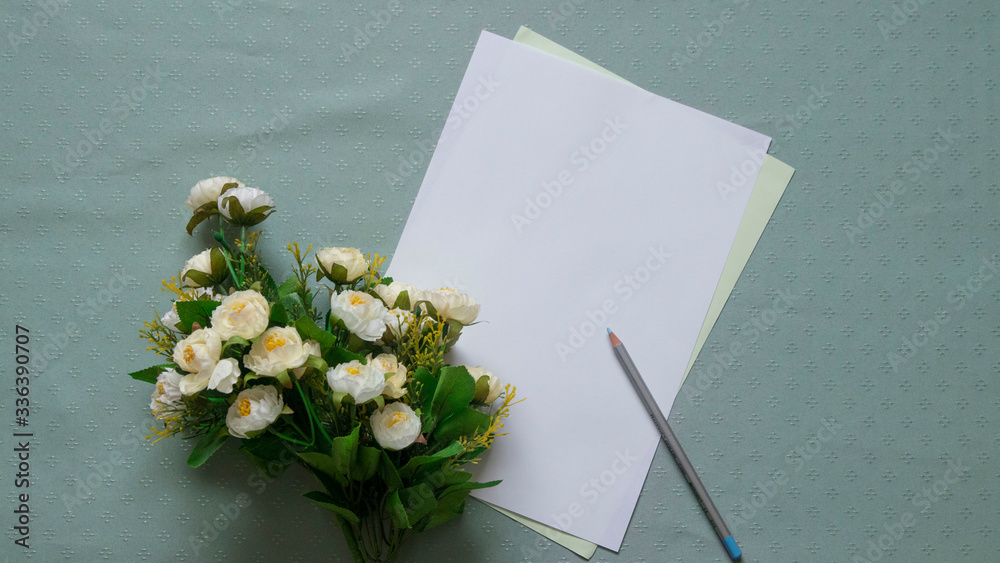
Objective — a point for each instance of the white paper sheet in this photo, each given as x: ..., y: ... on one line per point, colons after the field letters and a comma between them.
x: 566, y: 201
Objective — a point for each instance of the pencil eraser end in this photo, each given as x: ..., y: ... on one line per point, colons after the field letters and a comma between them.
x: 732, y: 548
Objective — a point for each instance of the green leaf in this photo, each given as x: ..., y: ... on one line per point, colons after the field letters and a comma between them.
x: 402, y: 301
x: 365, y: 465
x: 389, y: 473
x: 453, y: 449
x: 427, y: 384
x: 482, y: 388
x: 326, y: 501
x: 464, y: 422
x: 150, y: 374
x: 288, y: 287
x: 468, y: 486
x: 207, y: 446
x: 218, y: 262
x: 448, y: 507
x: 337, y: 355
x: 294, y: 306
x: 200, y: 278
x: 269, y: 289
x: 418, y: 501
x: 326, y: 465
x: 455, y: 390
x: 199, y: 311
x: 279, y: 317
x: 268, y: 453
x: 202, y: 213
x: 396, y: 509
x: 343, y: 455
x: 308, y: 330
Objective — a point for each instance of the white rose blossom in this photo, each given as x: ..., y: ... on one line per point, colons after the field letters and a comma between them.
x: 393, y: 372
x: 362, y: 382
x: 274, y: 351
x: 201, y: 262
x: 247, y: 199
x: 350, y: 259
x: 312, y: 349
x: 253, y: 410
x: 389, y: 293
x: 398, y: 321
x: 167, y: 393
x: 452, y: 304
x: 396, y: 426
x: 362, y: 314
x: 494, y: 383
x: 197, y: 354
x: 244, y: 314
x: 208, y: 190
x: 225, y: 374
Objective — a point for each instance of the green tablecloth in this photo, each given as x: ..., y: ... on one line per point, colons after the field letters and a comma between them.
x: 858, y: 423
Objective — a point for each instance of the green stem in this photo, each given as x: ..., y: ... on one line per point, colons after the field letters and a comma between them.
x: 289, y: 438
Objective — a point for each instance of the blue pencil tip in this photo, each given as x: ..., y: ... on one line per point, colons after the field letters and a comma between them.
x: 609, y: 331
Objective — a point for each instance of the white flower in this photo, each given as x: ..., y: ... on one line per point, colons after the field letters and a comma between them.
x: 201, y: 262
x: 254, y: 409
x: 244, y: 314
x: 494, y: 383
x: 312, y: 349
x: 208, y: 190
x: 395, y: 426
x: 362, y: 313
x: 167, y: 393
x: 389, y: 293
x: 392, y: 371
x: 225, y: 374
x: 197, y: 354
x: 245, y: 205
x: 350, y: 259
x: 170, y: 319
x: 277, y: 349
x: 362, y: 382
x: 398, y: 321
x: 452, y: 304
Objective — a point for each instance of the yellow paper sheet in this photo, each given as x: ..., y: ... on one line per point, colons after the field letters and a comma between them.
x: 771, y: 183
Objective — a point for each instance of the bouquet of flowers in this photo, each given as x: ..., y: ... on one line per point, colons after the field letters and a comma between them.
x: 360, y: 394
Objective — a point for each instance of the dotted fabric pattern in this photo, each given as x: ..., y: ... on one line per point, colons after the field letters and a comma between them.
x: 843, y: 409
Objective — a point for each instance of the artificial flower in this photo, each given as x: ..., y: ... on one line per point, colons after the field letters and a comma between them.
x: 397, y: 322
x: 244, y: 314
x: 341, y: 265
x: 166, y: 394
x: 362, y: 314
x: 312, y: 349
x: 224, y: 375
x: 493, y: 389
x: 253, y: 410
x: 208, y: 191
x: 396, y: 426
x: 363, y: 382
x: 276, y: 350
x: 205, y: 268
x: 245, y: 206
x: 390, y: 293
x: 392, y: 371
x: 199, y: 351
x: 452, y: 304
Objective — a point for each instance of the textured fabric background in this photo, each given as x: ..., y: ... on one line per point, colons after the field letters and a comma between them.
x: 856, y: 424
